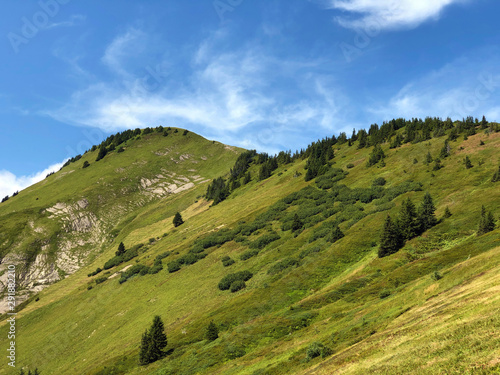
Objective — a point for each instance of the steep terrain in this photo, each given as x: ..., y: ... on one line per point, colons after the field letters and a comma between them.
x: 315, y: 302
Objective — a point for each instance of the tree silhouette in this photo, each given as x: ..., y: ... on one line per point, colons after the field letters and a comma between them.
x: 178, y: 220
x: 153, y: 342
x: 212, y: 332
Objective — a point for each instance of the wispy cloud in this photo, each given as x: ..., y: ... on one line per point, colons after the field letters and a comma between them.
x: 466, y: 86
x: 388, y: 14
x: 221, y: 94
x: 74, y: 20
x: 10, y: 183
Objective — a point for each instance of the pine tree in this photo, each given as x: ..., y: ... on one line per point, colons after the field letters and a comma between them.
x: 409, y: 226
x: 390, y: 240
x: 85, y: 164
x: 212, y: 332
x: 178, y: 220
x: 428, y: 158
x: 445, y: 151
x: 297, y: 224
x: 247, y: 178
x: 467, y: 163
x: 102, y: 153
x: 144, y: 352
x: 426, y: 214
x: 121, y: 249
x: 486, y: 222
x: 153, y: 342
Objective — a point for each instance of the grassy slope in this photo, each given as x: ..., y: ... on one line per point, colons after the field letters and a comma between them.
x: 75, y: 330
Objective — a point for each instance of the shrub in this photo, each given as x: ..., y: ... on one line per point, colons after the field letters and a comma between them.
x: 264, y: 240
x: 436, y: 276
x: 233, y: 352
x: 85, y: 164
x: 98, y: 270
x: 349, y: 166
x: 227, y: 261
x: 379, y: 181
x: 113, y: 262
x: 228, y: 280
x: 163, y: 255
x: 317, y: 349
x: 101, y: 279
x: 174, y: 266
x: 238, y: 285
x: 384, y: 294
x: 282, y: 265
x: 249, y: 254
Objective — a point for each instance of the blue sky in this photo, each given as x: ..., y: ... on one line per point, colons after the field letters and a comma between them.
x: 264, y: 74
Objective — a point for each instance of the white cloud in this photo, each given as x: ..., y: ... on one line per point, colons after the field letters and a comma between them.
x: 389, y: 14
x: 459, y: 89
x: 10, y: 183
x: 222, y: 94
x: 74, y: 20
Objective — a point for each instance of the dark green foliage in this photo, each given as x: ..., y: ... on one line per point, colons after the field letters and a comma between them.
x: 467, y: 162
x: 397, y: 141
x: 264, y: 240
x: 178, y: 220
x: 317, y: 349
x: 319, y: 154
x: 267, y: 168
x: 85, y: 164
x: 5, y: 199
x: 328, y: 180
x: 153, y: 342
x: 101, y: 279
x: 390, y: 240
x: 376, y: 155
x: 408, y: 220
x: 349, y: 166
x: 157, y: 266
x: 163, y: 255
x: 138, y: 269
x: 228, y: 280
x: 174, y: 266
x: 247, y: 178
x: 379, y: 181
x: 496, y: 176
x: 384, y: 294
x: 283, y: 265
x: 227, y: 261
x: 113, y: 262
x: 415, y: 161
x: 486, y: 222
x: 233, y: 352
x: 249, y: 254
x: 426, y: 214
x: 121, y: 249
x: 212, y: 332
x: 436, y: 276
x: 335, y: 235
x: 237, y: 285
x: 120, y: 150
x: 437, y: 165
x: 217, y: 190
x: 102, y: 153
x: 185, y: 132
x: 428, y: 158
x: 97, y: 271
x: 447, y: 213
x: 297, y: 224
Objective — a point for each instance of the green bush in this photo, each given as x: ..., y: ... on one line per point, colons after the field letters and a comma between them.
x: 283, y: 265
x: 174, y: 266
x: 101, y: 279
x: 228, y: 280
x: 379, y: 181
x: 113, y: 262
x: 237, y: 285
x: 233, y: 352
x: 264, y: 240
x: 384, y: 294
x: 317, y: 349
x: 249, y: 254
x: 227, y: 261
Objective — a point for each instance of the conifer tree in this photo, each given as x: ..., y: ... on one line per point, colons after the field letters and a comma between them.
x: 153, y: 342
x: 121, y: 249
x: 468, y: 163
x: 178, y: 220
x: 486, y: 222
x: 426, y: 214
x: 428, y: 158
x: 390, y: 240
x: 445, y: 151
x: 409, y: 226
x: 212, y: 332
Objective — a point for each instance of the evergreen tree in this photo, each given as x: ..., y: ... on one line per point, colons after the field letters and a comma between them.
x: 121, y: 249
x: 484, y: 123
x: 247, y: 178
x: 486, y: 222
x: 376, y: 155
x: 212, y: 332
x: 445, y: 151
x: 178, y: 220
x: 102, y: 153
x: 467, y: 163
x: 153, y: 342
x: 85, y: 164
x: 437, y: 165
x: 426, y: 214
x: 297, y: 224
x: 217, y: 190
x: 390, y: 240
x: 409, y: 226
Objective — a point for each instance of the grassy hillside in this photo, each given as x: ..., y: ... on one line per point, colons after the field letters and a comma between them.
x: 430, y: 308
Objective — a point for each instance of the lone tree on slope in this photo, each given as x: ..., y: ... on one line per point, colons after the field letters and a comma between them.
x: 153, y: 342
x: 178, y: 220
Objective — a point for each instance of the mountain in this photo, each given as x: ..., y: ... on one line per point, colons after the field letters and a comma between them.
x: 291, y: 257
